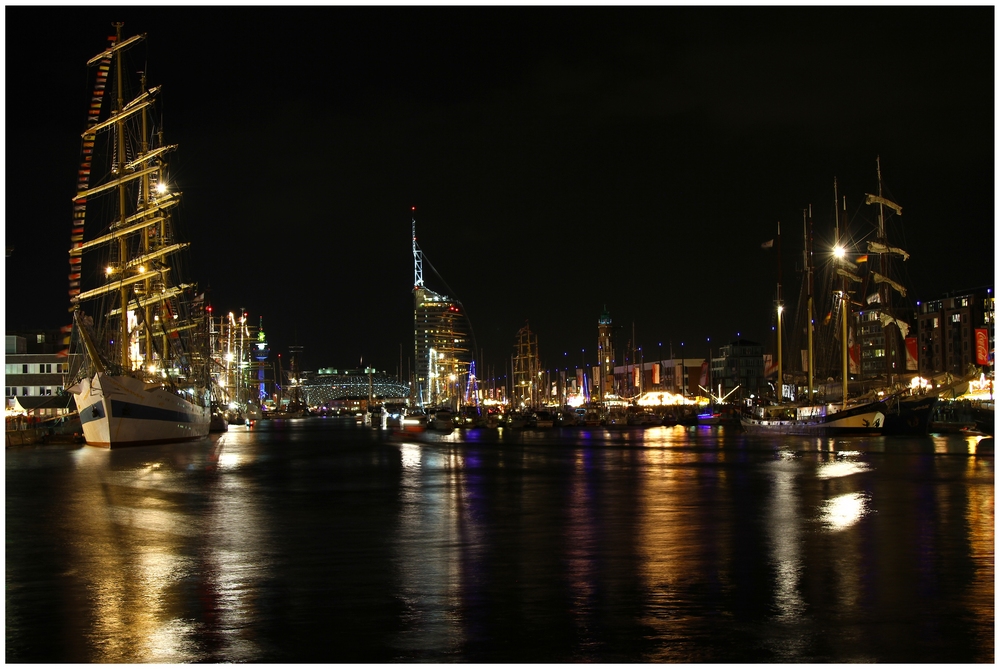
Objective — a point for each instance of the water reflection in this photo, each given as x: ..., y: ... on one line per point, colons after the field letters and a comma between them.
x: 664, y: 545
x: 845, y: 510
x: 831, y: 470
x: 431, y: 533
x: 142, y: 552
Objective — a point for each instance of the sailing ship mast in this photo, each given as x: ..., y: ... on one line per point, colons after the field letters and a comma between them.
x: 125, y: 269
x: 838, y: 252
x: 808, y: 252
x: 844, y: 270
x: 781, y: 308
x: 882, y: 248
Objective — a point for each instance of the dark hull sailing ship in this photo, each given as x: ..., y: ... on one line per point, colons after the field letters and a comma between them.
x: 865, y: 415
x: 815, y: 419
x: 138, y: 358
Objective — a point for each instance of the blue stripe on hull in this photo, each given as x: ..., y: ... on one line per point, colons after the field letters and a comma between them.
x: 120, y: 409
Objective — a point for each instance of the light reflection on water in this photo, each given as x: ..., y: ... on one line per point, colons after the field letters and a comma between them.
x: 666, y: 545
x: 845, y: 510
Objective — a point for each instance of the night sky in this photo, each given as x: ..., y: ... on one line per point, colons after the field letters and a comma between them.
x: 561, y: 160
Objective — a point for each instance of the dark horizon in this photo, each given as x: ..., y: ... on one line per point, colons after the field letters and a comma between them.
x: 561, y: 161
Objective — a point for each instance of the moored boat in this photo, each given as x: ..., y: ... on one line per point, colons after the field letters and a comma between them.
x: 138, y: 359
x: 814, y: 419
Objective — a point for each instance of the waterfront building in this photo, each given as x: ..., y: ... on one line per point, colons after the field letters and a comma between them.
x: 955, y: 332
x: 441, y: 333
x: 680, y: 376
x: 883, y: 350
x: 352, y: 388
x: 34, y: 368
x: 739, y: 366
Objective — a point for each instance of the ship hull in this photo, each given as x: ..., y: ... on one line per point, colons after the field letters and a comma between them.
x: 910, y: 416
x: 117, y: 411
x: 868, y: 419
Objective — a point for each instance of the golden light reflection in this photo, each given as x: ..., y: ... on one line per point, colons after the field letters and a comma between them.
x: 677, y: 535
x: 130, y: 587
x: 138, y: 536
x: 972, y: 443
x: 843, y: 511
x: 980, y: 517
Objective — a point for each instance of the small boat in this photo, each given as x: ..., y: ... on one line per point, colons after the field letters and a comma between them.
x: 442, y: 420
x: 218, y: 423
x: 514, y: 420
x: 541, y: 420
x: 644, y: 419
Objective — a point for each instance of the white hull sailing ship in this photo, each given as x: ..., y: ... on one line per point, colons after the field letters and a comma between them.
x: 138, y: 358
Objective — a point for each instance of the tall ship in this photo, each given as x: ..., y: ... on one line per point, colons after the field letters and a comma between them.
x: 239, y: 355
x: 865, y: 415
x: 139, y: 365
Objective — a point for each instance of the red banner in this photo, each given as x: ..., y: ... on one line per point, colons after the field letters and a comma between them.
x: 770, y: 365
x: 911, y: 353
x: 854, y: 354
x: 982, y: 346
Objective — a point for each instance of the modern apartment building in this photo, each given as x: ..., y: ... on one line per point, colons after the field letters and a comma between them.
x: 955, y: 332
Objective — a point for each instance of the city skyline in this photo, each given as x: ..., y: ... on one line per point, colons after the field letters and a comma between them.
x: 562, y: 161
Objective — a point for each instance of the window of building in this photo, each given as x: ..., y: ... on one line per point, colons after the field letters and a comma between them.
x: 9, y: 392
x: 24, y: 369
x: 40, y: 338
x: 24, y: 391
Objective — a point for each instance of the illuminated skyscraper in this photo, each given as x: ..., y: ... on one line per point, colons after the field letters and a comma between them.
x: 441, y: 341
x: 605, y: 354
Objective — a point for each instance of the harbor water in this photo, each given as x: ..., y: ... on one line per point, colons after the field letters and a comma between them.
x: 313, y: 540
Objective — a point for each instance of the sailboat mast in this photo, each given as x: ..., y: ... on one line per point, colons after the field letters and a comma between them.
x: 780, y: 308
x: 119, y: 167
x: 844, y: 303
x: 807, y: 231
x: 883, y: 292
